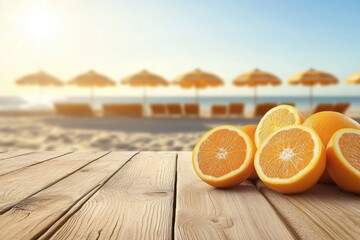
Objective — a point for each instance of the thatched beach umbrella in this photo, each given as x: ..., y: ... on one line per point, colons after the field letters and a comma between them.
x: 198, y: 79
x: 354, y: 79
x: 144, y: 79
x: 256, y: 78
x: 92, y: 79
x: 311, y: 78
x: 41, y: 79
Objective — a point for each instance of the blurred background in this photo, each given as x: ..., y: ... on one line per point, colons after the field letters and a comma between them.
x: 155, y: 75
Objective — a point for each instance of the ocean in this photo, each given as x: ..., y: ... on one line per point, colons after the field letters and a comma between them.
x: 17, y: 103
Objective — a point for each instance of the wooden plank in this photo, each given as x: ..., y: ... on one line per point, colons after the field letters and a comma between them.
x: 137, y: 203
x: 323, y: 212
x: 12, y: 154
x: 12, y: 164
x: 32, y: 217
x: 204, y: 212
x: 21, y: 184
x: 61, y: 221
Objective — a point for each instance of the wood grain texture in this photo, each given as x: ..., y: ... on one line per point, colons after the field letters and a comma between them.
x: 203, y: 212
x: 31, y: 217
x: 12, y: 164
x: 25, y: 182
x: 12, y: 154
x: 136, y: 203
x: 323, y: 212
x: 62, y: 220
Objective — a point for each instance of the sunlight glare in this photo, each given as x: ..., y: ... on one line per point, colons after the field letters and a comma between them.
x: 44, y: 100
x: 40, y: 26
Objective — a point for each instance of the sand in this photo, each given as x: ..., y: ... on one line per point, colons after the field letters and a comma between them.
x: 50, y: 132
x: 41, y: 131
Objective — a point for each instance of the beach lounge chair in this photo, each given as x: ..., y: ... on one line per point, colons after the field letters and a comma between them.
x: 129, y: 110
x: 158, y: 109
x: 341, y: 107
x: 191, y: 109
x: 173, y: 109
x: 73, y: 109
x: 323, y: 107
x: 236, y: 109
x: 288, y: 103
x: 263, y: 108
x: 218, y: 110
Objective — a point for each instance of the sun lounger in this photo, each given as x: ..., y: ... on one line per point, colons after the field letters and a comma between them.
x: 191, y: 109
x: 129, y: 110
x: 341, y: 107
x: 323, y: 107
x: 173, y: 109
x: 158, y: 109
x: 73, y: 109
x: 263, y: 108
x: 288, y: 103
x: 236, y: 109
x: 218, y: 110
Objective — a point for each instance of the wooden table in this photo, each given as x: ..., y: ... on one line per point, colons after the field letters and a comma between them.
x: 155, y: 195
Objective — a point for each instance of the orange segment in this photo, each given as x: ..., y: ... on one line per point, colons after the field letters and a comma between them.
x: 349, y: 145
x: 276, y: 118
x: 291, y: 160
x: 343, y: 159
x: 282, y: 158
x: 223, y: 157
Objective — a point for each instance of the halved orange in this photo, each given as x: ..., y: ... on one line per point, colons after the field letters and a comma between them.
x: 343, y: 159
x: 291, y: 160
x: 250, y: 131
x: 274, y: 119
x: 223, y: 157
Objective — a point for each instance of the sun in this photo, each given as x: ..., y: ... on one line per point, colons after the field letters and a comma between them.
x: 40, y: 26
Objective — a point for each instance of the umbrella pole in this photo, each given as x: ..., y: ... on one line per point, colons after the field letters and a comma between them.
x: 197, y: 95
x: 92, y: 96
x: 145, y: 100
x: 310, y: 97
x: 255, y: 96
x: 40, y: 95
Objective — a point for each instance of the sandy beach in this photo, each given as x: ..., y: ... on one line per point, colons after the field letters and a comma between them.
x: 46, y: 131
x: 40, y: 133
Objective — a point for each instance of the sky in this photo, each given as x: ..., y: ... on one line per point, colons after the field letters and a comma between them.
x: 119, y: 37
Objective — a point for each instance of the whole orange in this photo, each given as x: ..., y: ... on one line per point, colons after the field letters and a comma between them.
x: 250, y: 130
x: 326, y: 124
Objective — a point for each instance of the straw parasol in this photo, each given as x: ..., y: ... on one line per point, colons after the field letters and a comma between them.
x: 144, y: 79
x: 311, y: 78
x: 354, y: 79
x: 256, y: 78
x: 198, y: 79
x: 92, y: 79
x: 41, y: 79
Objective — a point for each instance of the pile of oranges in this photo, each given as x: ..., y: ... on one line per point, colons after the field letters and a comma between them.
x: 286, y: 151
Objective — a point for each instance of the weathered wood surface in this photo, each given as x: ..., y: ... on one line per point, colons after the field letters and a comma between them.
x: 203, y: 212
x: 323, y: 212
x: 45, y: 207
x: 156, y: 195
x: 136, y: 203
x: 12, y: 154
x: 25, y: 182
x: 12, y: 164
